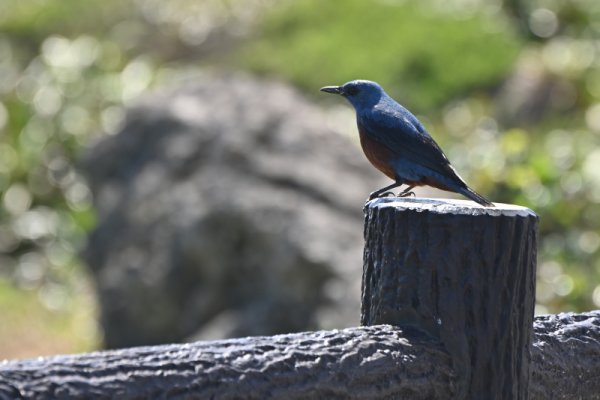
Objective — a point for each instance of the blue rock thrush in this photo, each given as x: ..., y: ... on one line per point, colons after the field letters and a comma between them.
x: 398, y: 145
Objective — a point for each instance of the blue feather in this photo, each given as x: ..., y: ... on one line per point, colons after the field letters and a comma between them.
x: 416, y: 158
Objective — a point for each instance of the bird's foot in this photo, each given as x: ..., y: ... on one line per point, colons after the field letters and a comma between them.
x: 376, y: 195
x: 407, y: 194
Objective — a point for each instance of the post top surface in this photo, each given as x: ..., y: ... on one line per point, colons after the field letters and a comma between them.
x: 450, y: 206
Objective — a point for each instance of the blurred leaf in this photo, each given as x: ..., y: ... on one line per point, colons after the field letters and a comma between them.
x: 35, y: 18
x: 419, y: 54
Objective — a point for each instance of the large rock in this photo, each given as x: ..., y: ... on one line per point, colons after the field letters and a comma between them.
x: 532, y: 92
x: 226, y: 208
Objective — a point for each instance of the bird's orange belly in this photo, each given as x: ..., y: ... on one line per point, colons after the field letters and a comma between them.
x: 379, y: 155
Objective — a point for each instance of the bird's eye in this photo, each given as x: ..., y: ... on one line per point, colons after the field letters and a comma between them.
x: 350, y: 90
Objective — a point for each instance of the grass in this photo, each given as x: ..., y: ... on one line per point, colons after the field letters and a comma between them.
x: 32, y: 327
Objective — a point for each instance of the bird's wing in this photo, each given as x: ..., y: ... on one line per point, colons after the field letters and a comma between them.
x: 409, y: 142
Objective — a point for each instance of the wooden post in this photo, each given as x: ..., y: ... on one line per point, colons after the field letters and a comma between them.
x: 459, y: 273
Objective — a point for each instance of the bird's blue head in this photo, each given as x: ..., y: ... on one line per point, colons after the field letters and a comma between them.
x: 360, y: 93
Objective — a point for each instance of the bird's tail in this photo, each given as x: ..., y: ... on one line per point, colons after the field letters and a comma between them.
x: 476, y: 197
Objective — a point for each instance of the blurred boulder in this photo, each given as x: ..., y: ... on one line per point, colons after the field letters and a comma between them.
x: 226, y: 207
x: 532, y: 93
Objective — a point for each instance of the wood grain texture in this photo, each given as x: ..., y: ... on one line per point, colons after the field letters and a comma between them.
x: 460, y: 273
x: 566, y: 357
x: 357, y: 363
x: 376, y: 362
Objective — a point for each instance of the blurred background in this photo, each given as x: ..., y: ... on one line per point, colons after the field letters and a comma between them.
x: 169, y: 170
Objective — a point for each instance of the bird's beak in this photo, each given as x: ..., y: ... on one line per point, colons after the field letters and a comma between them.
x: 332, y: 89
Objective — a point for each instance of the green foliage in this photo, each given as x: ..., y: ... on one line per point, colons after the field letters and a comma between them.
x: 34, y: 19
x: 420, y: 54
x: 54, y: 98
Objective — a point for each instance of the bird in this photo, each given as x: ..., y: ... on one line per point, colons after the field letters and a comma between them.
x: 397, y: 144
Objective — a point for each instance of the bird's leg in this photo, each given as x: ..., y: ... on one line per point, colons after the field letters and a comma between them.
x: 407, y: 192
x: 384, y: 191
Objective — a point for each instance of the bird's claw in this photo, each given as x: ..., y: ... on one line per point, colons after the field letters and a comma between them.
x: 407, y: 194
x: 376, y: 195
